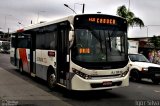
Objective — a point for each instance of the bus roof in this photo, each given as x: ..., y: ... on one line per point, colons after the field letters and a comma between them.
x: 68, y: 18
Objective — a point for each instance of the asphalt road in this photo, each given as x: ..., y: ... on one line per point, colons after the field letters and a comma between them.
x: 16, y: 88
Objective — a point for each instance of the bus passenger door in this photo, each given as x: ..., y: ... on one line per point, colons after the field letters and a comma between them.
x: 62, y: 52
x: 13, y: 50
x: 32, y: 55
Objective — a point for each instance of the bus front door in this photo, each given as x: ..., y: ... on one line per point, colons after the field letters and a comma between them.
x: 32, y: 56
x: 62, y: 52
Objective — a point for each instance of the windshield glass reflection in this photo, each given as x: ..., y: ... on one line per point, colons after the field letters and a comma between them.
x: 138, y: 58
x: 99, y: 45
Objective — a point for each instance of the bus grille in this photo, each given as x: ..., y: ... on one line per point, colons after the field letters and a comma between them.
x: 106, y: 76
x: 153, y: 70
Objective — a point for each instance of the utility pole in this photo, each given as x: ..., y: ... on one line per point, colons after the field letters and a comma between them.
x: 38, y: 15
x: 8, y: 35
x: 83, y: 8
x: 69, y: 8
x: 129, y: 5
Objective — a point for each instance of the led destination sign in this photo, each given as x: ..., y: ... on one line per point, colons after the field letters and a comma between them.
x: 99, y: 22
x: 109, y: 21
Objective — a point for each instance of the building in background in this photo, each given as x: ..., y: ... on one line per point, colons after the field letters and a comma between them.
x: 148, y: 49
x: 4, y: 36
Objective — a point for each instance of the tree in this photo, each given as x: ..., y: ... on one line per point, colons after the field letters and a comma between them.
x: 132, y: 20
x: 155, y: 40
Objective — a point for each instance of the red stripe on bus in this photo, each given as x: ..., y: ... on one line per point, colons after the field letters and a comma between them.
x: 23, y: 55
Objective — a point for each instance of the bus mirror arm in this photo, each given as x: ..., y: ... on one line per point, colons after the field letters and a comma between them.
x: 71, y: 38
x: 72, y: 28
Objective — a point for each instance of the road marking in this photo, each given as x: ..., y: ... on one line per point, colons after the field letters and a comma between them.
x: 157, y: 91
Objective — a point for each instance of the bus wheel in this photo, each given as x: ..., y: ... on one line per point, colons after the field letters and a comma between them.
x: 135, y: 76
x: 51, y: 80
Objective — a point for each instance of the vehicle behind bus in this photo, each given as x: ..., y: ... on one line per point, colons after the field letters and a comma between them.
x: 81, y: 52
x: 4, y: 47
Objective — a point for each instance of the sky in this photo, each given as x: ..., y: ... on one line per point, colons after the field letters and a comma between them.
x: 15, y: 14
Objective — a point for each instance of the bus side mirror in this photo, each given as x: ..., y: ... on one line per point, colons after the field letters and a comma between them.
x: 71, y: 38
x: 71, y: 34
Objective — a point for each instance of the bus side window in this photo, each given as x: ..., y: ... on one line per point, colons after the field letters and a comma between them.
x: 52, y: 45
x: 50, y: 37
x: 50, y: 40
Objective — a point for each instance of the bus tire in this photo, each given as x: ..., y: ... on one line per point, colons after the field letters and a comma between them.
x: 21, y: 67
x: 51, y: 80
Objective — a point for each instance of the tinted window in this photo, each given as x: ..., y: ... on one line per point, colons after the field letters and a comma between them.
x: 46, y: 37
x: 138, y: 58
x: 22, y: 41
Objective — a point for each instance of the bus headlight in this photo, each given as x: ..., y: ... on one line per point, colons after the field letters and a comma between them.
x: 81, y: 74
x: 125, y: 73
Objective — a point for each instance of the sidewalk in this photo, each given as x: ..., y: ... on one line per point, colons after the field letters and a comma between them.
x: 13, y: 87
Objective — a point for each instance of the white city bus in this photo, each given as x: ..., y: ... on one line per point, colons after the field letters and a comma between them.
x: 77, y: 52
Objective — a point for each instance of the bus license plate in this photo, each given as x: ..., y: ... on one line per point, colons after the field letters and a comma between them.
x: 107, y: 83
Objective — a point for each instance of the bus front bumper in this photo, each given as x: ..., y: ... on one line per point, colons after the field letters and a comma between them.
x: 78, y: 83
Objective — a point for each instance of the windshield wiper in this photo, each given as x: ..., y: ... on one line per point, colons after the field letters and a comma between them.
x: 94, y: 33
x: 105, y: 41
x: 97, y: 36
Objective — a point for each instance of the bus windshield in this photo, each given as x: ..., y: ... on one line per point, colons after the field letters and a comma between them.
x: 100, y: 44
